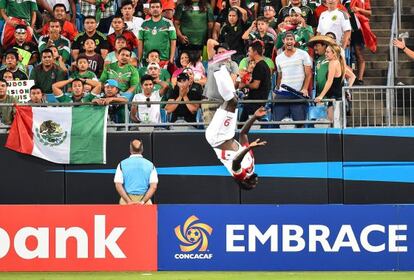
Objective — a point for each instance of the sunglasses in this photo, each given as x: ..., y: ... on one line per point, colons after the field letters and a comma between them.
x: 20, y: 33
x: 148, y: 100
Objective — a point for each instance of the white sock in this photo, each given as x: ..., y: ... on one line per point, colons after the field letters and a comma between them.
x: 224, y: 83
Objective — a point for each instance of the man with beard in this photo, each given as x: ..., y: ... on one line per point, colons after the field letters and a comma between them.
x: 294, y: 67
x: 122, y: 71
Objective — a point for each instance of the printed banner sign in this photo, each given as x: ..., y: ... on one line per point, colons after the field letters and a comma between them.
x: 78, y: 238
x: 20, y: 90
x: 287, y: 237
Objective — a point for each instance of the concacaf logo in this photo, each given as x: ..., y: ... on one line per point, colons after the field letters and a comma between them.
x: 194, y: 235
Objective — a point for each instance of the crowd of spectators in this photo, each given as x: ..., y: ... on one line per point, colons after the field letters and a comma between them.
x: 109, y: 51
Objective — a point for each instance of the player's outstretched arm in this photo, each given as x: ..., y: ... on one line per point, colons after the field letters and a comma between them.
x: 236, y: 165
x: 243, y: 139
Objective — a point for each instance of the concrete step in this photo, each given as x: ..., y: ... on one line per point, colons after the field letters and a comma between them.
x: 407, y: 23
x: 382, y: 3
x: 380, y: 32
x: 376, y: 57
x: 371, y: 113
x: 405, y: 64
x: 381, y: 18
x: 383, y: 40
x: 408, y: 72
x: 381, y: 24
x: 381, y: 10
x: 375, y: 81
x: 401, y: 121
x: 375, y: 73
x: 382, y: 65
x: 408, y: 10
x: 364, y: 96
x: 405, y: 80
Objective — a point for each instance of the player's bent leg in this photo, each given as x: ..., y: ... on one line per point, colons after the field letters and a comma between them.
x: 224, y: 83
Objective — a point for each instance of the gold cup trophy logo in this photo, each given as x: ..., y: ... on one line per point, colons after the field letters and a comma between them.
x: 194, y: 235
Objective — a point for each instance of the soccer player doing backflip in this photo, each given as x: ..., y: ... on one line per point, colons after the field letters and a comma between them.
x: 236, y: 156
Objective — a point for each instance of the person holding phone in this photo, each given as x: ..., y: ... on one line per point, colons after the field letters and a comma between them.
x: 401, y: 45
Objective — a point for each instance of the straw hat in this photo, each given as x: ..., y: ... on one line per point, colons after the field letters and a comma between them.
x: 321, y: 39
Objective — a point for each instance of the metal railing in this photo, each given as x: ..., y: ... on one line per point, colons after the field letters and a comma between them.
x: 380, y: 106
x: 128, y: 125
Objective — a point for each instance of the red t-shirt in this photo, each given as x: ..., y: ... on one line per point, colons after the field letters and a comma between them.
x: 69, y: 30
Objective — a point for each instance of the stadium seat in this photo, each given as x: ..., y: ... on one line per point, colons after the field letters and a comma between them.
x: 127, y: 95
x: 199, y: 118
x: 50, y: 98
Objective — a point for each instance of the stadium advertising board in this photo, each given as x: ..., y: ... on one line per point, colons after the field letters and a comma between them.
x: 285, y: 237
x: 78, y: 238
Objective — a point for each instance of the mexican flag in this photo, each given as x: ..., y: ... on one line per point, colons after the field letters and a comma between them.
x: 69, y: 135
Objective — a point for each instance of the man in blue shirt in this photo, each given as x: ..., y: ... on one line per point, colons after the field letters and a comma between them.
x: 136, y: 178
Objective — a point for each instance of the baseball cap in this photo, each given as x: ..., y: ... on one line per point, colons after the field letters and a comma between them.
x: 268, y: 7
x: 112, y: 83
x: 182, y: 76
x: 153, y: 65
x: 222, y: 45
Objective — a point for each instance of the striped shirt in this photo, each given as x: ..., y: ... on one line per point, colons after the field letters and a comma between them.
x: 293, y: 68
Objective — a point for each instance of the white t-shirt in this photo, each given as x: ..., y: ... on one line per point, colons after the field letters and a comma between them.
x: 148, y: 114
x: 133, y: 26
x: 293, y: 68
x: 335, y: 21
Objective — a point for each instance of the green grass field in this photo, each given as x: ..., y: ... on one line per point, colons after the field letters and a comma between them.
x: 207, y: 275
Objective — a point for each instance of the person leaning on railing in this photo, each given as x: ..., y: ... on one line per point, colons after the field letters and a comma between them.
x: 401, y: 45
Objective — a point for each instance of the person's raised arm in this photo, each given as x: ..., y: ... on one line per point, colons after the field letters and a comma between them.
x: 57, y: 87
x: 243, y: 139
x: 236, y: 164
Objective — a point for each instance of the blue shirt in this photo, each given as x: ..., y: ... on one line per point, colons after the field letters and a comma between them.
x: 136, y: 174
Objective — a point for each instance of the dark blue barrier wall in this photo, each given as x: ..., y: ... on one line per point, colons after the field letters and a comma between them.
x: 285, y: 237
x: 300, y: 166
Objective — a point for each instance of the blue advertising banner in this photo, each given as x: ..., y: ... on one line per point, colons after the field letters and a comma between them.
x: 285, y: 237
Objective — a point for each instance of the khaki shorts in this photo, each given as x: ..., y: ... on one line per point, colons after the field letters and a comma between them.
x: 135, y: 198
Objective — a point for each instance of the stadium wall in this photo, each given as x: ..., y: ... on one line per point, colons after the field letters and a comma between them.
x: 298, y: 166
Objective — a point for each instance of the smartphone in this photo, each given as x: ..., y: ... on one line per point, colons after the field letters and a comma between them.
x: 146, y: 5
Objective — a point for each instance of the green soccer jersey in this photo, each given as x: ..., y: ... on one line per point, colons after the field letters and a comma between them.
x: 19, y: 9
x: 68, y: 98
x: 194, y: 23
x: 62, y: 44
x: 127, y: 76
x: 321, y: 67
x: 302, y: 36
x: 87, y: 75
x: 157, y: 36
